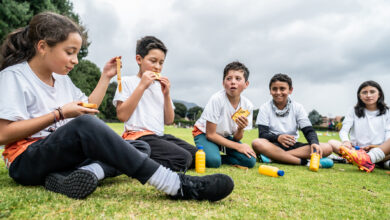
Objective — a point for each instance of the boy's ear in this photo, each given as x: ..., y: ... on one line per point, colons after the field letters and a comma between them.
x: 291, y: 90
x: 246, y: 84
x: 138, y: 58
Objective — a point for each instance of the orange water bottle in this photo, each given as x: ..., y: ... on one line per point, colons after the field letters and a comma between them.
x: 270, y: 171
x: 200, y: 160
x: 314, y: 161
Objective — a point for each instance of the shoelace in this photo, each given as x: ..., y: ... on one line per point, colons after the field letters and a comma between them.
x: 190, y: 185
x: 181, y: 180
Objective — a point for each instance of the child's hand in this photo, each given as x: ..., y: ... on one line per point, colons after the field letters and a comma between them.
x: 317, y: 149
x: 247, y: 150
x: 242, y: 122
x: 165, y: 85
x: 348, y: 144
x: 286, y: 140
x: 369, y: 147
x: 109, y: 69
x: 74, y: 109
x: 147, y: 78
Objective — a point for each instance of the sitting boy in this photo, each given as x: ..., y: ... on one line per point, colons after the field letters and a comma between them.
x: 278, y: 122
x: 145, y: 105
x: 216, y: 128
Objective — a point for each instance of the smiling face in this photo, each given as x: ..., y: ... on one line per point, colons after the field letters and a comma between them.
x: 234, y: 83
x: 62, y: 57
x: 280, y: 92
x: 369, y: 95
x: 153, y: 61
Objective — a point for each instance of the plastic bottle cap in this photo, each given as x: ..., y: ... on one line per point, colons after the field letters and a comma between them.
x: 280, y: 173
x: 200, y: 147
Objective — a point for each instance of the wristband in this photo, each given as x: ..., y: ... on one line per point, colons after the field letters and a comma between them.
x: 59, y: 109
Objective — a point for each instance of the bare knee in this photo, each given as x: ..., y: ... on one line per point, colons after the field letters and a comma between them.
x: 259, y: 145
x: 326, y: 149
x: 335, y: 144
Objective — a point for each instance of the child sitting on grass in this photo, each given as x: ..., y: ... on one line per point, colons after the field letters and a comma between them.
x: 145, y: 105
x: 279, y: 120
x: 368, y: 125
x: 215, y: 128
x: 52, y: 140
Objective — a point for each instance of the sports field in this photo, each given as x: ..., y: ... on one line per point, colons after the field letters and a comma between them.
x: 338, y: 193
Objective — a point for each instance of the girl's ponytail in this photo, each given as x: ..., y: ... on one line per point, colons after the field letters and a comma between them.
x: 19, y: 46
x: 16, y: 48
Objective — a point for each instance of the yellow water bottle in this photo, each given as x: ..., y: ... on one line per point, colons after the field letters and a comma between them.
x: 314, y: 161
x: 270, y: 171
x: 200, y: 160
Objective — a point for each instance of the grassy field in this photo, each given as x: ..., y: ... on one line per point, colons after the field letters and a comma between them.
x: 342, y: 192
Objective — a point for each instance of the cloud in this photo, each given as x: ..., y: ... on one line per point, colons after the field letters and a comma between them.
x: 328, y: 48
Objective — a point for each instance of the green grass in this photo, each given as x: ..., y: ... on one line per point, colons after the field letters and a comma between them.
x: 341, y: 192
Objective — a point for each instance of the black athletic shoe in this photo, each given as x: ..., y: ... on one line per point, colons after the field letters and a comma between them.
x: 211, y: 187
x: 77, y: 184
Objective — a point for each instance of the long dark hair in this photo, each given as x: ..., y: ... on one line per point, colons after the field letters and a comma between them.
x: 380, y: 103
x: 19, y: 46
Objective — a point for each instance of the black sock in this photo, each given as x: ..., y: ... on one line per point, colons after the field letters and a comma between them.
x: 303, y: 162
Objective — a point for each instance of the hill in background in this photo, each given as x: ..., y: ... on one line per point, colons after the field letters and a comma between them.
x: 187, y: 104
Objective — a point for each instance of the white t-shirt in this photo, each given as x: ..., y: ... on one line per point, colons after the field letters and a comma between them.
x: 371, y: 129
x: 296, y: 119
x: 219, y: 111
x: 149, y: 113
x: 24, y: 96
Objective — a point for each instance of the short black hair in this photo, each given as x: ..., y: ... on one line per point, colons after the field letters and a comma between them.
x: 236, y: 66
x: 147, y: 43
x: 282, y: 78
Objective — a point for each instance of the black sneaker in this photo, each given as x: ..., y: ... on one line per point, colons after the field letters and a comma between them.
x: 78, y: 184
x: 211, y: 187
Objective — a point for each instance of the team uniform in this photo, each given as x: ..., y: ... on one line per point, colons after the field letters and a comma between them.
x: 147, y: 124
x: 68, y: 144
x: 295, y: 117
x: 219, y: 111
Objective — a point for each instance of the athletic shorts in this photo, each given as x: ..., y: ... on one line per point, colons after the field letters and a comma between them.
x: 295, y: 146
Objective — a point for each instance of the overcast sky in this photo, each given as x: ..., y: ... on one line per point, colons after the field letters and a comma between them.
x: 328, y: 47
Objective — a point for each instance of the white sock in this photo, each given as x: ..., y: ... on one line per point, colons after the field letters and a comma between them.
x: 376, y: 155
x: 386, y: 165
x: 165, y: 180
x: 96, y: 169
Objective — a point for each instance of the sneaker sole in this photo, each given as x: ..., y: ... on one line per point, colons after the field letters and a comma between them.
x: 78, y: 185
x: 349, y: 157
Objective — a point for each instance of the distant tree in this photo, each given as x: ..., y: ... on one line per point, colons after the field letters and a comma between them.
x: 85, y: 76
x: 315, y: 117
x: 194, y: 113
x: 107, y: 109
x: 180, y: 109
x: 13, y: 14
x: 17, y: 13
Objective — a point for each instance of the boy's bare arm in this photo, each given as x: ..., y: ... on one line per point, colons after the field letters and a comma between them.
x: 169, y: 113
x: 212, y: 135
x: 125, y: 109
